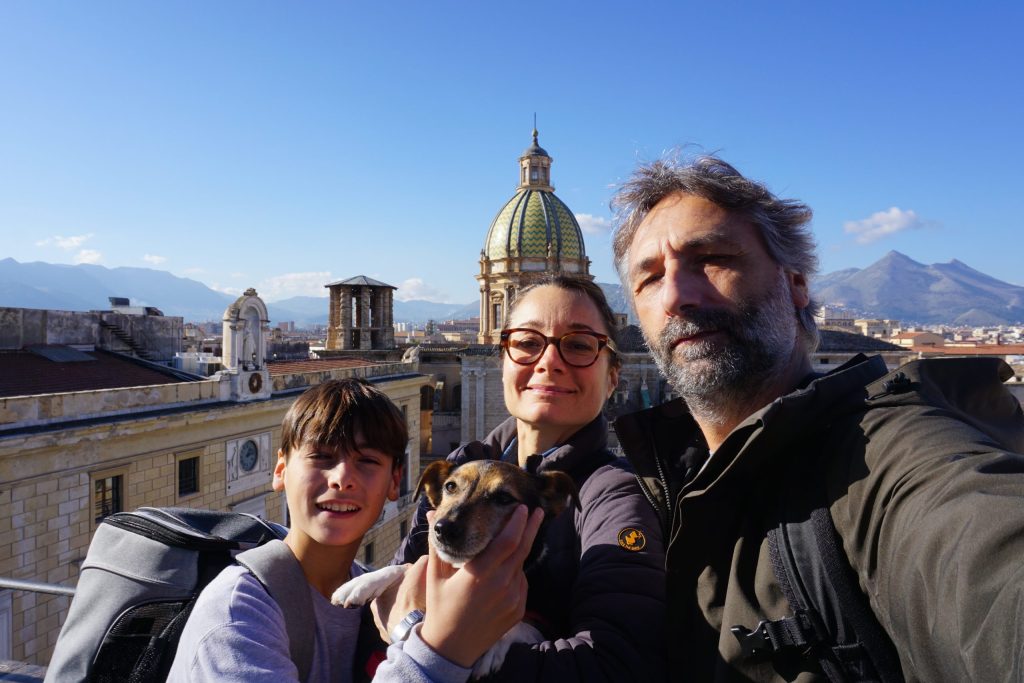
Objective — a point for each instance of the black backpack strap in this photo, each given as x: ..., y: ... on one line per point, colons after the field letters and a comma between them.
x: 832, y: 619
x: 281, y: 574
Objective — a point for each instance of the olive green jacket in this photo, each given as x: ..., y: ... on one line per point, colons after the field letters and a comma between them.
x: 925, y: 483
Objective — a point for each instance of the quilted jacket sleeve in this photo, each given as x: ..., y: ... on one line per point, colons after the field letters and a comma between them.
x: 934, y: 522
x: 617, y: 619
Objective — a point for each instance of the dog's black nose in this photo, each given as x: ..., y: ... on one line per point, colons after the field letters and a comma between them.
x: 447, y: 531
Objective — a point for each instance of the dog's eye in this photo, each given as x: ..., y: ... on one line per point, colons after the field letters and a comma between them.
x: 504, y: 498
x: 450, y: 486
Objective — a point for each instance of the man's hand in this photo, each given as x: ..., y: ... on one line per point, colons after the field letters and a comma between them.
x: 470, y: 608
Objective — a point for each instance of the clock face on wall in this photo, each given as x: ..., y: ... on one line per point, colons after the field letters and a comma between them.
x: 248, y: 454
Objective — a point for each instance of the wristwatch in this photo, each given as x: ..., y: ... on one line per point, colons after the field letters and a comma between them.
x: 402, y: 630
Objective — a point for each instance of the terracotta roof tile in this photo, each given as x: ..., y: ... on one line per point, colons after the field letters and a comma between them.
x: 24, y: 373
x: 292, y: 367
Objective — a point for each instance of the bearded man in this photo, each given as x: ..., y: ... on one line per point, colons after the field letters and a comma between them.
x: 915, y: 469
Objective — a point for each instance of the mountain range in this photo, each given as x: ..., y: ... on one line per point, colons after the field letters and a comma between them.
x: 900, y: 288
x: 894, y: 287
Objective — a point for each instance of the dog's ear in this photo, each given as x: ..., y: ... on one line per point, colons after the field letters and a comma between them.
x: 431, y: 481
x: 556, y: 490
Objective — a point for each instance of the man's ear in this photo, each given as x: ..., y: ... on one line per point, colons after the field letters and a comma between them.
x: 432, y: 480
x: 799, y: 290
x: 278, y: 482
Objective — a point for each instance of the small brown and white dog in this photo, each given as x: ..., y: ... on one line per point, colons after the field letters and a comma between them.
x: 473, y: 501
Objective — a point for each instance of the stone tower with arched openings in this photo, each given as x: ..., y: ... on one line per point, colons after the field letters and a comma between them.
x: 361, y: 314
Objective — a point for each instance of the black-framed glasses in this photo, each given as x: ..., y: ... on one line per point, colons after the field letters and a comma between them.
x: 579, y: 348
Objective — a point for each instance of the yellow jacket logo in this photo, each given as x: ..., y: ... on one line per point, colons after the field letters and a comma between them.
x: 632, y: 539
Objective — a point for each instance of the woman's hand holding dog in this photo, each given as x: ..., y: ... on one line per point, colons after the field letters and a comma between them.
x: 391, y: 606
x: 470, y: 608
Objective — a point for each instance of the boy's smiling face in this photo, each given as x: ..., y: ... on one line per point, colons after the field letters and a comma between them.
x: 335, y: 495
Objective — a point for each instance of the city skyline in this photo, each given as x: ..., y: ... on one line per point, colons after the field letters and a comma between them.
x: 285, y: 147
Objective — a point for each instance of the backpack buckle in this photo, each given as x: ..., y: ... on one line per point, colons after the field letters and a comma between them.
x: 754, y: 643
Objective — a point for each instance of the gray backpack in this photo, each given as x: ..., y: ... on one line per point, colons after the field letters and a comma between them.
x: 141, y: 577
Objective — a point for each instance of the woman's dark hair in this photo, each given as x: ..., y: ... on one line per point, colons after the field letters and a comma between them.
x: 331, y: 413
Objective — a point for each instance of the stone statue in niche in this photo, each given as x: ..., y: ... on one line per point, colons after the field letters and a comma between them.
x: 250, y: 340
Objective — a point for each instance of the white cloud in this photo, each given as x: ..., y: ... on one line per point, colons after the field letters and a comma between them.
x: 155, y: 260
x: 88, y: 256
x: 593, y: 225
x: 194, y: 270
x: 294, y: 284
x: 882, y: 224
x: 416, y: 288
x: 233, y: 291
x: 65, y: 243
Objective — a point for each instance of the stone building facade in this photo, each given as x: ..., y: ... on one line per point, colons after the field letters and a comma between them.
x: 67, y: 459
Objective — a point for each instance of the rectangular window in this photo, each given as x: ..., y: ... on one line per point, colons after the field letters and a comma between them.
x: 108, y: 496
x: 368, y: 554
x: 404, y: 487
x: 188, y: 476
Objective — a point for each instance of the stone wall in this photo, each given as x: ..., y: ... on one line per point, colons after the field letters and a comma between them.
x: 27, y: 411
x: 161, y: 336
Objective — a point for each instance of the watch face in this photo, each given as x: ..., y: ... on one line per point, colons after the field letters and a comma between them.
x: 247, y: 455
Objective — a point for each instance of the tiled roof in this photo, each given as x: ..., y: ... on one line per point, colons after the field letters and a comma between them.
x: 836, y: 341
x: 979, y: 350
x: 294, y: 367
x: 361, y: 280
x: 630, y: 339
x: 25, y: 373
x: 530, y: 221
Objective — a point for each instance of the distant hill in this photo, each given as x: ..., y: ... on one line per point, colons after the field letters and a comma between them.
x: 899, y: 287
x: 87, y: 287
x: 306, y: 310
x: 302, y: 310
x: 894, y: 287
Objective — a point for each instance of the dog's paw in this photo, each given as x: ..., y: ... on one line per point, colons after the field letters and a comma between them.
x: 362, y: 589
x: 492, y: 660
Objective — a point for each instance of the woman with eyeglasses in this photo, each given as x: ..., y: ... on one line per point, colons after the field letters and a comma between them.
x: 597, y: 591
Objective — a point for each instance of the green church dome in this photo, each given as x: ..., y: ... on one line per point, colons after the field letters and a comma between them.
x: 528, y: 223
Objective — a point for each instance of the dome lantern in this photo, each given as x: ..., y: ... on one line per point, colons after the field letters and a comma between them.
x: 535, y: 167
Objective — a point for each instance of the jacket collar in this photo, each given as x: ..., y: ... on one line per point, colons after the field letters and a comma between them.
x: 575, y: 455
x: 664, y: 432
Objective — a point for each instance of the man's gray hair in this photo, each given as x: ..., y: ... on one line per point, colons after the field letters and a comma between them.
x: 783, y: 222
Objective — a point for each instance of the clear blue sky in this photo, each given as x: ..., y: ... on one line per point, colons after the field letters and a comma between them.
x: 283, y: 145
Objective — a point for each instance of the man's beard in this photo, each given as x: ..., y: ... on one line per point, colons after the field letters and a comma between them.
x: 720, y: 378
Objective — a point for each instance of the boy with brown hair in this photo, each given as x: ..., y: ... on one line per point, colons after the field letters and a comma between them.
x: 341, y: 458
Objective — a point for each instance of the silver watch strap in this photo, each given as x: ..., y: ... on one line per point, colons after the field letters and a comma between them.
x: 402, y: 630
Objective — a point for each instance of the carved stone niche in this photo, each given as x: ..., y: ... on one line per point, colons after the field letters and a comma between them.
x: 246, y: 329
